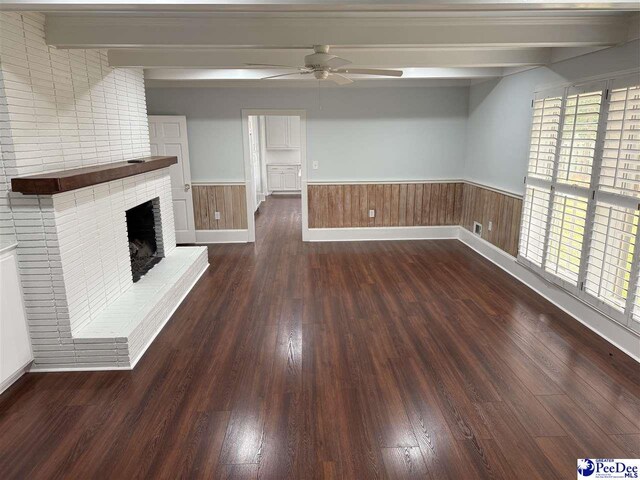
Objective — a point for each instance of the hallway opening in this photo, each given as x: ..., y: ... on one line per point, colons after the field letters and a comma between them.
x: 274, y: 154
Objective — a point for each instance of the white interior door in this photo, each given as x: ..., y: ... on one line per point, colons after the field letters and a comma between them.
x: 168, y: 136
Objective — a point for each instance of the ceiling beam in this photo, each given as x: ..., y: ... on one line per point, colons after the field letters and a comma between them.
x: 311, y: 84
x: 381, y: 58
x: 560, y: 54
x: 316, y: 5
x: 197, y: 74
x: 118, y: 31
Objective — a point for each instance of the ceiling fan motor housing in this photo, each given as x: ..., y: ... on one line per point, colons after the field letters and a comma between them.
x: 318, y: 60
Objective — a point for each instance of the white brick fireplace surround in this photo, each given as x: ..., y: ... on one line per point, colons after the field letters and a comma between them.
x: 83, y: 308
x: 62, y: 110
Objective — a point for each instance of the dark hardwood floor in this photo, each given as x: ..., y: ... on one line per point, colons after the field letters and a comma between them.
x: 347, y: 360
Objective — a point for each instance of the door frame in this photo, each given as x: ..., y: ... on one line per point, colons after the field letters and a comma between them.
x: 182, y: 119
x: 258, y: 136
x: 248, y: 177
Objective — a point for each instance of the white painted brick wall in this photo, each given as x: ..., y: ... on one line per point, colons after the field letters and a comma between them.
x: 64, y: 109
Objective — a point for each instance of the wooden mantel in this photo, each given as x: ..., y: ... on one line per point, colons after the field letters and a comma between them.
x: 65, y: 180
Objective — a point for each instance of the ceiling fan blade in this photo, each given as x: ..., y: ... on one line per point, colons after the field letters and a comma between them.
x: 370, y: 71
x: 284, y: 75
x: 274, y: 66
x: 339, y: 79
x: 337, y: 62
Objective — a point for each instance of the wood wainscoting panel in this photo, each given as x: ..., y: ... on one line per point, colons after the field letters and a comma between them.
x: 229, y: 200
x: 483, y: 205
x: 418, y: 204
x: 395, y: 205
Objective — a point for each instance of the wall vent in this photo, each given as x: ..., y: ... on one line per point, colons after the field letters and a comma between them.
x: 477, y: 229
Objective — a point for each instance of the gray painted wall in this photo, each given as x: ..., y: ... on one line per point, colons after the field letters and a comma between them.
x: 355, y: 133
x: 499, y: 120
x: 480, y: 133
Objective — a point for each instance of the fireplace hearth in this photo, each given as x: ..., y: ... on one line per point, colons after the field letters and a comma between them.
x: 142, y: 230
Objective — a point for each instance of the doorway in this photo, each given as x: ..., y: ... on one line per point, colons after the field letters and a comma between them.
x: 275, y: 162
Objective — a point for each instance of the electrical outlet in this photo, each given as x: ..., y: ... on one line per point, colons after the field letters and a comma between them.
x: 315, y: 165
x: 372, y: 213
x: 216, y: 215
x: 490, y: 226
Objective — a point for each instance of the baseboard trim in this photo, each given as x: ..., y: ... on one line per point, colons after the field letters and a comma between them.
x: 363, y: 234
x: 75, y: 369
x: 222, y: 236
x: 616, y: 334
x: 4, y: 386
x: 287, y: 193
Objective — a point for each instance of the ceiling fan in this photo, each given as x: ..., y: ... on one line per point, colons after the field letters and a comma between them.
x: 325, y: 66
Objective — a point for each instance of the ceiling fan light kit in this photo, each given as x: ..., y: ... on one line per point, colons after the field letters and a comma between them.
x: 326, y: 66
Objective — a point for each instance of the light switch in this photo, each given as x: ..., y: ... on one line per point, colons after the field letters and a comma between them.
x: 216, y: 215
x: 372, y: 213
x: 315, y: 165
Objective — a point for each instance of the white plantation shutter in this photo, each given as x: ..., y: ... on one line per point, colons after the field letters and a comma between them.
x: 545, y: 128
x: 535, y: 213
x: 612, y: 261
x: 566, y: 234
x: 578, y: 140
x: 581, y: 208
x: 611, y: 254
x: 621, y: 154
x: 544, y: 137
x: 619, y: 185
x: 570, y: 192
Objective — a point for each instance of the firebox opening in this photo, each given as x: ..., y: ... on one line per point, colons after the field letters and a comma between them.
x: 144, y: 251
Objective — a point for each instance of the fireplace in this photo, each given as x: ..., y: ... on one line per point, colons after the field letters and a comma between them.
x: 102, y: 227
x: 145, y: 243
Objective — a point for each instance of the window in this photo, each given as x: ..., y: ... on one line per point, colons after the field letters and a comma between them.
x: 582, y: 202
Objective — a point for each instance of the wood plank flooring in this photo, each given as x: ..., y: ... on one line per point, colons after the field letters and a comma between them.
x: 358, y: 360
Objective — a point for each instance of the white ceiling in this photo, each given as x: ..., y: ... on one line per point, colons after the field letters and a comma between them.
x: 316, y: 5
x: 209, y: 42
